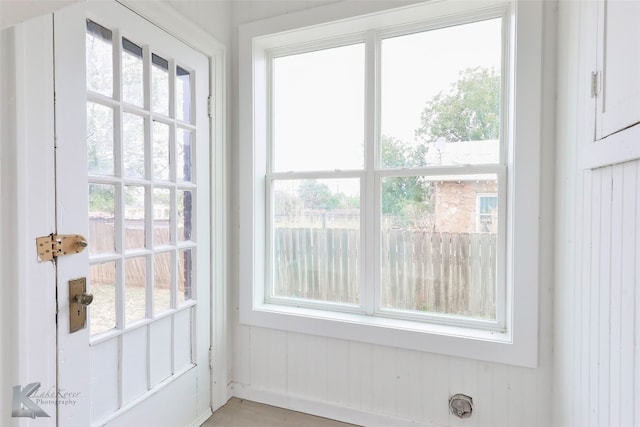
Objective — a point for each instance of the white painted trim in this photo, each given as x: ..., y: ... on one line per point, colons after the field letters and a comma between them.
x: 27, y: 209
x: 202, y: 418
x: 519, y: 345
x: 165, y: 17
x: 318, y: 408
x: 616, y: 148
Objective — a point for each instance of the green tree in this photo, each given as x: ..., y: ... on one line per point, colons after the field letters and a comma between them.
x: 317, y: 195
x: 407, y: 200
x: 470, y: 111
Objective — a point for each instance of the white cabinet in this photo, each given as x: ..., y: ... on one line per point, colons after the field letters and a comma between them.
x: 618, y: 65
x: 610, y: 52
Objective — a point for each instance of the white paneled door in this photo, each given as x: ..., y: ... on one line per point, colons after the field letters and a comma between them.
x: 132, y: 176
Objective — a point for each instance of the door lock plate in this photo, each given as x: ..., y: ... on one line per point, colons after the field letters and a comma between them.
x: 55, y: 245
x: 79, y: 299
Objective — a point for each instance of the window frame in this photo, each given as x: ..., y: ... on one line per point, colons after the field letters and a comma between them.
x: 479, y: 215
x: 517, y: 343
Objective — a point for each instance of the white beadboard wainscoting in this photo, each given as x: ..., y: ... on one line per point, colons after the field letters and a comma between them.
x: 606, y: 334
x: 382, y: 386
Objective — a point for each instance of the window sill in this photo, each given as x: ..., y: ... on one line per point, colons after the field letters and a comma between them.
x: 489, y: 346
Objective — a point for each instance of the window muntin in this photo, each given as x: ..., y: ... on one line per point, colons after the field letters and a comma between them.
x: 142, y: 191
x: 420, y: 203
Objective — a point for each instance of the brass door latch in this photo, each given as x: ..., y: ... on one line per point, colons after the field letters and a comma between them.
x: 55, y: 245
x: 79, y: 300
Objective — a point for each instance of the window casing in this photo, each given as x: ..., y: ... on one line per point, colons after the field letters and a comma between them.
x: 364, y: 314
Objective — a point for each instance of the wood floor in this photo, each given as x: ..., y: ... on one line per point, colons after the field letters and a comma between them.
x: 244, y: 413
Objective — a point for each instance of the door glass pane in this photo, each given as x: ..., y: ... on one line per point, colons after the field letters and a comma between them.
x: 99, y: 59
x: 102, y: 311
x: 316, y: 239
x: 161, y: 216
x: 184, y: 215
x: 433, y: 257
x: 185, y: 276
x: 183, y: 94
x: 134, y: 213
x: 101, y: 219
x: 160, y: 150
x: 133, y: 145
x: 162, y: 270
x: 318, y: 104
x: 135, y: 281
x: 99, y: 139
x: 159, y: 85
x: 440, y: 108
x: 183, y: 155
x: 132, y: 73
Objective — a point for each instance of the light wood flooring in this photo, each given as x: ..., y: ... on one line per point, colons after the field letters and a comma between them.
x: 244, y: 413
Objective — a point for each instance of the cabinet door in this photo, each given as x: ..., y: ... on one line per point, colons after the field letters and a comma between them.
x: 618, y: 101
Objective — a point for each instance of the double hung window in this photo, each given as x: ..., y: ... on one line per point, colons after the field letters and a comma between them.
x: 383, y: 176
x: 372, y: 188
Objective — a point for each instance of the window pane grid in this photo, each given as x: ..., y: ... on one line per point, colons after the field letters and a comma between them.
x: 133, y: 163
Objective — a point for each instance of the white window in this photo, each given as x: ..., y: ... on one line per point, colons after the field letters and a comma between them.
x: 487, y: 213
x: 383, y: 156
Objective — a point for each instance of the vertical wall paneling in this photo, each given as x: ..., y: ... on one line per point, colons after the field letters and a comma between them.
x: 593, y: 314
x: 409, y: 387
x: 338, y: 372
x: 636, y: 318
x: 605, y: 380
x: 383, y: 381
x: 317, y: 366
x: 583, y: 376
x: 628, y: 321
x: 360, y: 376
x: 604, y: 301
x: 615, y: 294
x: 297, y: 366
x: 435, y: 371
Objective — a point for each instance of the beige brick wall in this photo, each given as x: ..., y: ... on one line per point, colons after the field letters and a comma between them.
x: 456, y: 205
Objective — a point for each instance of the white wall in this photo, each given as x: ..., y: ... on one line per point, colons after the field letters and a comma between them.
x: 8, y: 355
x: 597, y: 297
x: 13, y: 12
x: 212, y: 16
x: 379, y: 385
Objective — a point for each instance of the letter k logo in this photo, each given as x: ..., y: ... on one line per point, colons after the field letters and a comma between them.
x: 23, y: 406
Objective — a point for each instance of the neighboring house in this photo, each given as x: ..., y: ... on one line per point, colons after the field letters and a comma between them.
x: 466, y: 203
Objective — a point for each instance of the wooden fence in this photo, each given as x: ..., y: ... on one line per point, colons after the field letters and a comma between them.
x: 452, y: 273
x: 102, y: 240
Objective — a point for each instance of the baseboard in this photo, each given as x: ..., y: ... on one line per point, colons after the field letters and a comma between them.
x: 202, y: 418
x: 319, y: 408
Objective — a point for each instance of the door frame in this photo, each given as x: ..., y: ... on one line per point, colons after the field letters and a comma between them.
x: 25, y: 212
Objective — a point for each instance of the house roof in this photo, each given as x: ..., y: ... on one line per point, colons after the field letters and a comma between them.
x: 442, y: 153
x: 463, y: 153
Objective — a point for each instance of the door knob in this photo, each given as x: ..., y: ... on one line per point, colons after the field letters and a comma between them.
x: 79, y: 299
x: 84, y: 299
